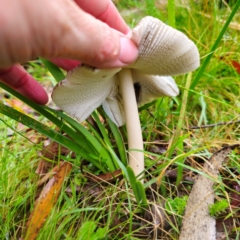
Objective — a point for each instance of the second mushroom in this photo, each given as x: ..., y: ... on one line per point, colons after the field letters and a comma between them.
x: 163, y: 52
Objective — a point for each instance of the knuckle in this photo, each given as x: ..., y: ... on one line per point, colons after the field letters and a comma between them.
x: 109, y: 48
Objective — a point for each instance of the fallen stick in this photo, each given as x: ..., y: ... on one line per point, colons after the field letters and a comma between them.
x: 197, y: 223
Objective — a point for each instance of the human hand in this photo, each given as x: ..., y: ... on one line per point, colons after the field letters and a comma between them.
x: 82, y: 31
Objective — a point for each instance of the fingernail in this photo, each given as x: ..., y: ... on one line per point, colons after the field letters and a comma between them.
x: 128, y: 54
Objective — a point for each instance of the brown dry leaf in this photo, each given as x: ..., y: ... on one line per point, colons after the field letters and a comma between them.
x: 157, y: 219
x: 197, y: 223
x: 158, y: 149
x: 46, y: 201
x: 224, y: 224
x: 91, y: 189
x: 19, y: 105
x: 52, y: 152
x: 236, y: 65
x: 235, y: 196
x: 105, y: 177
x: 33, y: 136
x: 223, y: 236
x: 43, y: 167
x: 49, y: 174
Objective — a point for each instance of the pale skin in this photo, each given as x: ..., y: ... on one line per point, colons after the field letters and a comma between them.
x: 64, y: 31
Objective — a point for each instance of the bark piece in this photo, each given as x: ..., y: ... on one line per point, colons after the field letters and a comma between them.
x: 46, y: 201
x: 197, y: 223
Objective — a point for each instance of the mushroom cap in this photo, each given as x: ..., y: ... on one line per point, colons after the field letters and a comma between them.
x: 83, y: 90
x: 147, y: 88
x: 151, y: 87
x: 163, y: 50
x: 86, y: 88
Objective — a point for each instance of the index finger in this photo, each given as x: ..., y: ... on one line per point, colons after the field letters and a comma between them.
x: 105, y: 11
x: 19, y: 79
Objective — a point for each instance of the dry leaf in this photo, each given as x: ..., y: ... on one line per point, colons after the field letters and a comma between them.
x: 105, y: 177
x: 236, y: 65
x: 235, y: 196
x: 157, y: 219
x: 49, y: 174
x: 52, y: 152
x: 46, y: 201
x: 197, y: 223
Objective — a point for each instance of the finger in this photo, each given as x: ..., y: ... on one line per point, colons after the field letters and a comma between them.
x: 71, y: 33
x: 66, y: 64
x: 17, y: 78
x: 105, y: 11
x: 93, y: 42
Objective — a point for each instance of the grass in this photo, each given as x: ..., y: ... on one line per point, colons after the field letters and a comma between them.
x: 110, y: 210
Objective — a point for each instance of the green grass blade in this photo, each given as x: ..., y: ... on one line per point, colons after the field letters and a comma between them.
x: 132, y: 177
x: 99, y: 137
x: 138, y: 188
x: 92, y: 142
x: 214, y: 47
x: 65, y: 141
x: 83, y: 144
x: 182, y: 115
x: 119, y: 141
x: 120, y: 164
x: 101, y: 128
x: 71, y: 133
x: 32, y: 123
x: 104, y: 139
x: 147, y: 106
x: 118, y: 138
x: 151, y: 9
x: 53, y: 69
x: 35, y: 106
x: 171, y: 13
x: 94, y: 145
x: 180, y: 150
x: 142, y: 194
x: 178, y: 138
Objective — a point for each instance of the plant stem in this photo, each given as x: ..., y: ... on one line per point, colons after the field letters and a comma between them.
x: 135, y: 142
x: 178, y: 131
x: 214, y: 47
x: 171, y: 13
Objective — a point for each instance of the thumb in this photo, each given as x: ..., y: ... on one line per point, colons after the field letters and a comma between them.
x: 87, y: 39
x: 60, y: 29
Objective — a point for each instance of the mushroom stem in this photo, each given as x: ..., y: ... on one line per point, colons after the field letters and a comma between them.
x: 135, y: 141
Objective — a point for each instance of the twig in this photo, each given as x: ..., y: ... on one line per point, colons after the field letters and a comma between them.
x: 213, y: 125
x: 197, y: 223
x: 232, y: 25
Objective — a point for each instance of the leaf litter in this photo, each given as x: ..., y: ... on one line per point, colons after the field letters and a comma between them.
x: 156, y: 206
x: 46, y: 201
x: 156, y: 222
x: 197, y: 223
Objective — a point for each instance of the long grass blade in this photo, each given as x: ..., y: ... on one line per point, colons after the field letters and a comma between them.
x: 118, y: 138
x: 90, y: 140
x: 65, y: 141
x: 171, y: 13
x: 178, y: 130
x: 53, y: 69
x: 214, y: 47
x: 151, y: 9
x: 46, y: 201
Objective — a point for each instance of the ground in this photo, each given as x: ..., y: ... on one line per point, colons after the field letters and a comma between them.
x: 180, y: 134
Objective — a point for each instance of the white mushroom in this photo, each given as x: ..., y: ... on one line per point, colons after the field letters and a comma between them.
x: 163, y: 51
